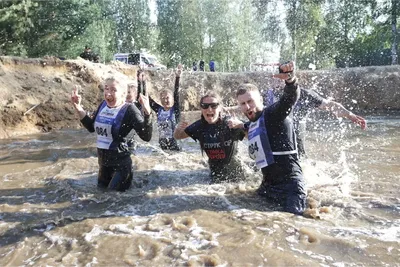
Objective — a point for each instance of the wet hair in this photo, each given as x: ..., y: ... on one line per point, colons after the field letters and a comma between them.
x: 119, y: 84
x: 203, y: 120
x: 246, y: 87
x: 132, y: 86
x: 213, y: 95
x: 166, y: 91
x: 111, y: 79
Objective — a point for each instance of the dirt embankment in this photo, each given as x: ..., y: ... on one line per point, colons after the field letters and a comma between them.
x: 36, y: 92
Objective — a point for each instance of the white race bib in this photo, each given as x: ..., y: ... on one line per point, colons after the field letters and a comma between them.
x: 165, y: 124
x: 103, y: 126
x: 256, y: 150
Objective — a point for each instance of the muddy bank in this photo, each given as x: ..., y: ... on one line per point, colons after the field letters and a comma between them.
x: 35, y: 92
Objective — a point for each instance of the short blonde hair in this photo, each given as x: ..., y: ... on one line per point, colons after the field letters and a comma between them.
x: 166, y: 91
x: 121, y: 85
x: 132, y: 86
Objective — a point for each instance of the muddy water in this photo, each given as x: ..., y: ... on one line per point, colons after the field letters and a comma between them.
x: 51, y: 212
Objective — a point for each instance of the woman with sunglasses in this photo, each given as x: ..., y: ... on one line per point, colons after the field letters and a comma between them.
x: 216, y: 139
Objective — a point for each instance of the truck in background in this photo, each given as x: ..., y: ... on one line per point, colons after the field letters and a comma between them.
x: 144, y: 60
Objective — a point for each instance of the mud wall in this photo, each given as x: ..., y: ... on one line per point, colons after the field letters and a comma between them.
x: 36, y: 92
x: 367, y: 88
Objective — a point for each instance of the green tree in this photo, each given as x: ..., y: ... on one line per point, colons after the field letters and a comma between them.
x: 15, y: 23
x: 303, y: 21
x: 133, y: 24
x: 345, y: 20
x: 181, y: 30
x: 59, y: 28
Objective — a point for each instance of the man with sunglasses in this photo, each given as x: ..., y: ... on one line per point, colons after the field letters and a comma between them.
x: 272, y: 142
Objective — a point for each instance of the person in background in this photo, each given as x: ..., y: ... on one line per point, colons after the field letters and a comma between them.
x: 308, y: 101
x: 194, y: 66
x: 168, y: 113
x: 201, y: 65
x: 112, y: 122
x: 217, y: 140
x: 132, y: 97
x: 212, y: 65
x: 87, y: 54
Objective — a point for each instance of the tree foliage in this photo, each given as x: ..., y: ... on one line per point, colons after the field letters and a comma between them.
x: 233, y: 33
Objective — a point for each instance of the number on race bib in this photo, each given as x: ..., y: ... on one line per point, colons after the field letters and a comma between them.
x: 252, y: 149
x: 101, y: 131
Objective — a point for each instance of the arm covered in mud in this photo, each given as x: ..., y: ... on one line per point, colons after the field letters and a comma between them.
x: 180, y: 132
x: 88, y: 122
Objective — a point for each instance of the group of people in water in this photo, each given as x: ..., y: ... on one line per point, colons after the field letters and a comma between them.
x: 272, y: 132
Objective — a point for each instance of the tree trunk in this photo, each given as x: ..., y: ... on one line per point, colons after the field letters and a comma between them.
x: 394, y: 31
x: 294, y: 44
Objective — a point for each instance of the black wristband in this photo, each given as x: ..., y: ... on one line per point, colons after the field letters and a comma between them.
x: 293, y: 81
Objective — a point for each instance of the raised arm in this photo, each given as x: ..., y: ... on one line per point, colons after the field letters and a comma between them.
x: 177, y: 105
x: 76, y: 99
x: 291, y: 92
x: 142, y: 124
x: 340, y: 111
x: 86, y: 121
x: 141, y: 78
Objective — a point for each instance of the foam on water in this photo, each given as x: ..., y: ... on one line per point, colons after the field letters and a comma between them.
x: 173, y: 216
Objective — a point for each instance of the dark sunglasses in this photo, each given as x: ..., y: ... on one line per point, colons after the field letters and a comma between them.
x: 207, y: 105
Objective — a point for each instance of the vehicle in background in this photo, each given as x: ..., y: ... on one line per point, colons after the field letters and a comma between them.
x: 144, y: 60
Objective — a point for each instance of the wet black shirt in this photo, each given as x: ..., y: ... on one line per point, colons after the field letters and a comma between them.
x: 281, y: 135
x: 218, y: 141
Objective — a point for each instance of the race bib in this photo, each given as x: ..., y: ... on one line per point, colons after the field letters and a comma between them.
x: 165, y: 128
x: 103, y: 126
x: 256, y: 150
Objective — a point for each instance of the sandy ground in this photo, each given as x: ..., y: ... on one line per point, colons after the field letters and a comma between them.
x: 36, y: 92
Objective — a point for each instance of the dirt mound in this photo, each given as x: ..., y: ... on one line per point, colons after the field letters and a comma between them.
x: 36, y: 92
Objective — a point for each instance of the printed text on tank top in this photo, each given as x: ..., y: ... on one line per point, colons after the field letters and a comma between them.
x: 216, y: 142
x: 215, y: 148
x: 166, y: 125
x: 106, y: 121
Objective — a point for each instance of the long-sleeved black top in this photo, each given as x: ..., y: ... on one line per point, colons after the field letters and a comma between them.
x: 281, y: 136
x: 132, y: 119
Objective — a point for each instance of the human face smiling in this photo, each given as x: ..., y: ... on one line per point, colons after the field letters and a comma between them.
x: 167, y: 100
x: 131, y: 95
x: 250, y: 104
x: 113, y: 94
x: 210, y: 109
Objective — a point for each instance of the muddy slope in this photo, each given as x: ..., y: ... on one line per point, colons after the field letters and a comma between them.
x: 35, y: 92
